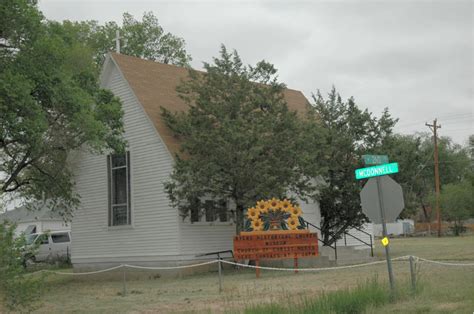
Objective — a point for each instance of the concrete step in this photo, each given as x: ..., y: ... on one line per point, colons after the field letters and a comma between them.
x: 347, y: 255
x: 311, y: 262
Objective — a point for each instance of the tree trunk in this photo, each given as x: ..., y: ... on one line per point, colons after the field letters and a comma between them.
x: 239, y: 224
x: 425, y: 212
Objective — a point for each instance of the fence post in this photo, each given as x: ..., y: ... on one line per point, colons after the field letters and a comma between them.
x: 371, y: 247
x: 220, y: 274
x: 124, y: 291
x: 412, y: 273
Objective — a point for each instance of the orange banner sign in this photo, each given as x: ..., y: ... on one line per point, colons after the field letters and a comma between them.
x: 281, y: 244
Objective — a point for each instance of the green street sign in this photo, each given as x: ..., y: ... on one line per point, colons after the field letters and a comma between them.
x: 375, y: 159
x: 376, y: 171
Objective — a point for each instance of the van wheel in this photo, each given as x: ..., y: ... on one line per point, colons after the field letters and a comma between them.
x: 29, y: 260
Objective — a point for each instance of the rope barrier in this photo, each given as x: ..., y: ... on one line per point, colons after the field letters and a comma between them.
x: 171, y: 267
x: 312, y: 269
x: 443, y: 263
x: 401, y: 258
x: 77, y: 274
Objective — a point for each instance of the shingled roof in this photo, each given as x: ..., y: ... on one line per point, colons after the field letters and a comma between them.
x: 154, y: 84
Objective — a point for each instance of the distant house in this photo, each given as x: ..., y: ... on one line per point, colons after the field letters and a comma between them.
x: 40, y: 219
x: 125, y: 214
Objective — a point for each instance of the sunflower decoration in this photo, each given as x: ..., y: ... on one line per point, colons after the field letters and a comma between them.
x: 262, y: 206
x: 252, y: 213
x: 274, y: 214
x: 293, y: 222
x: 274, y: 204
x: 285, y: 205
x: 257, y: 224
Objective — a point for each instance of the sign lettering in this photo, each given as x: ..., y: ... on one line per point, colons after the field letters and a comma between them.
x: 275, y: 244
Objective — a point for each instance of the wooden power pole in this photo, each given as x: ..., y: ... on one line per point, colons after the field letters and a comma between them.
x: 434, y: 127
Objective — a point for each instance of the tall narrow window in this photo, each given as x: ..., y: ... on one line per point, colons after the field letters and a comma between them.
x: 119, y: 189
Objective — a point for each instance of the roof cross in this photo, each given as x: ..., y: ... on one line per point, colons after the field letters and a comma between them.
x: 117, y: 41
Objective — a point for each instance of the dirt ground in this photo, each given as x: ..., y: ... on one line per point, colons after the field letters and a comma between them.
x: 444, y: 289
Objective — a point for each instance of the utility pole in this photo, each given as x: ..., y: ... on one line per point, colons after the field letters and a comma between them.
x: 434, y: 128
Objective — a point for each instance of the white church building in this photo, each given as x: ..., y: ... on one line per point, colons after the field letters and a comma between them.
x: 125, y: 215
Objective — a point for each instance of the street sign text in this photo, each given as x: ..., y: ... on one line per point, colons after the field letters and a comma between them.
x: 376, y: 171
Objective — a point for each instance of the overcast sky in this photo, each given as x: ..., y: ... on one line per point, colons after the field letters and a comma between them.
x: 414, y: 57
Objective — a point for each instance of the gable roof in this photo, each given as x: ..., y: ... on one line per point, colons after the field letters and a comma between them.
x: 31, y: 213
x: 154, y: 84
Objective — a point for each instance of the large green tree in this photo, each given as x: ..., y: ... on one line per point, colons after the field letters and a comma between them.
x: 457, y: 203
x: 350, y: 133
x: 240, y: 141
x: 50, y: 105
x: 414, y: 153
x: 144, y: 39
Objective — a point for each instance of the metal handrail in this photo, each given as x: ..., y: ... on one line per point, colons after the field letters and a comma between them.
x: 369, y: 245
x: 358, y: 229
x: 322, y: 241
x: 345, y: 233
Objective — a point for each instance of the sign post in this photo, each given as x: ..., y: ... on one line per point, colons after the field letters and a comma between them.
x: 384, y: 233
x: 382, y: 201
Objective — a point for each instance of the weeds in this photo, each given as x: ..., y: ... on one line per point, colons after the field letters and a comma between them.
x: 370, y: 294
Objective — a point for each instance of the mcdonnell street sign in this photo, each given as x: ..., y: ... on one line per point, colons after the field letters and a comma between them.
x: 376, y: 171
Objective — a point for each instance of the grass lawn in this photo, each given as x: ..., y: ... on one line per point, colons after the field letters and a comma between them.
x: 443, y: 289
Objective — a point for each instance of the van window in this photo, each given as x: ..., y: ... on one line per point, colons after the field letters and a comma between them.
x: 42, y: 239
x: 60, y: 237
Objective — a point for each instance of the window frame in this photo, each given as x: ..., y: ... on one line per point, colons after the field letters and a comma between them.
x: 128, y: 202
x: 216, y: 210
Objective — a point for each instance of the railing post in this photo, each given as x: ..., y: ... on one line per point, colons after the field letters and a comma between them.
x: 335, y: 250
x: 220, y: 275
x: 124, y: 291
x: 412, y: 273
x: 371, y: 247
x: 345, y: 241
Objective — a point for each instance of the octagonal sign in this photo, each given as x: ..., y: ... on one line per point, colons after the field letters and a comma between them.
x: 392, y: 199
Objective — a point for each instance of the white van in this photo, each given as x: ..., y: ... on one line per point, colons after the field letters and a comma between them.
x: 52, y: 246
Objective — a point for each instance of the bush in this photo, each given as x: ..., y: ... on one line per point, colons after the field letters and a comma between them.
x: 18, y: 289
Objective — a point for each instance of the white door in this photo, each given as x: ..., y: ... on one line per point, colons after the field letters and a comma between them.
x: 44, y: 249
x: 60, y: 245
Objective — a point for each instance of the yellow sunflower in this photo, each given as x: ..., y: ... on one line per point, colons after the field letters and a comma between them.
x: 274, y: 204
x: 262, y: 206
x: 257, y: 225
x: 293, y: 223
x: 296, y: 211
x: 285, y: 205
x: 252, y: 213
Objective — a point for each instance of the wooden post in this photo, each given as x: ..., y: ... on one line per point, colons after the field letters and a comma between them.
x: 124, y: 291
x: 257, y: 270
x: 412, y: 273
x: 435, y: 128
x: 220, y: 275
x: 296, y: 264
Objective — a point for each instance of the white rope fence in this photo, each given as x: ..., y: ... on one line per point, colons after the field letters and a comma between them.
x: 442, y: 263
x: 313, y: 269
x: 401, y: 258
x: 170, y: 267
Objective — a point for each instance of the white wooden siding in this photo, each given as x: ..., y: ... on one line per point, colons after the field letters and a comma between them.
x: 203, y: 237
x: 350, y: 241
x: 157, y: 233
x: 154, y: 234
x: 199, y: 238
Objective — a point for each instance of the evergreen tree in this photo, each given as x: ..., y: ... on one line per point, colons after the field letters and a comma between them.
x: 240, y: 141
x: 350, y: 133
